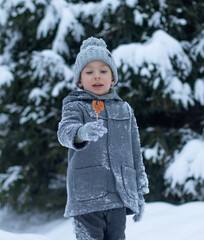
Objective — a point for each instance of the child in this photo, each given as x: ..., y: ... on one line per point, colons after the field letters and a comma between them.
x: 106, y: 177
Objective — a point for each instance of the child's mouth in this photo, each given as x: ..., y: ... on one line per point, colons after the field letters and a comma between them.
x: 97, y: 85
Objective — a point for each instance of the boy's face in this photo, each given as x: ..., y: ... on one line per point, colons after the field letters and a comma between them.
x: 96, y: 77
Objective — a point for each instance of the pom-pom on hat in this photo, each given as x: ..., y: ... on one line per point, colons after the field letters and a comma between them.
x: 93, y: 49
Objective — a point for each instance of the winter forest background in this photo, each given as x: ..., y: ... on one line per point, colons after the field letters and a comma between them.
x: 158, y: 46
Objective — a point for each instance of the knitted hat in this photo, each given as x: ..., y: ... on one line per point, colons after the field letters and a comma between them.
x: 93, y: 49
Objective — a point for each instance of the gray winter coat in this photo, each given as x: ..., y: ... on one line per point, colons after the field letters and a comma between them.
x: 108, y: 173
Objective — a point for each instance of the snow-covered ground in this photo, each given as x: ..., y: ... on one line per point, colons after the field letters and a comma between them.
x: 161, y: 221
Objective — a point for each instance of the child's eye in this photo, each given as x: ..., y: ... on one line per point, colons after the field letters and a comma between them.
x: 89, y: 72
x: 103, y: 71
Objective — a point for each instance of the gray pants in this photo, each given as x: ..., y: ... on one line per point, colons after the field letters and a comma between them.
x: 101, y: 225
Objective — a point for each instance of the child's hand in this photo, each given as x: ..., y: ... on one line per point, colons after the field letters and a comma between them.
x: 91, y: 131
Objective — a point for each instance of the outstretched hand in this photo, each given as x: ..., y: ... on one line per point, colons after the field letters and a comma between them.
x: 91, y: 131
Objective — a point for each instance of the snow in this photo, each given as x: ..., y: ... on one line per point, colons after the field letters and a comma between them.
x: 6, y: 57
x: 61, y: 13
x: 162, y: 4
x: 139, y: 17
x: 10, y: 236
x: 59, y: 45
x: 57, y: 88
x: 27, y: 115
x: 178, y: 21
x: 3, y: 119
x: 131, y: 3
x: 160, y: 221
x: 36, y: 94
x: 159, y: 50
x: 155, y: 153
x: 189, y: 162
x: 65, y: 15
x: 12, y: 175
x: 199, y: 91
x: 49, y: 21
x: 10, y: 8
x: 155, y: 19
x: 179, y: 91
x: 3, y: 17
x: 37, y: 115
x: 47, y: 59
x: 198, y: 46
x: 45, y: 64
x: 187, y: 168
x: 89, y: 8
x: 62, y: 16
x: 6, y: 76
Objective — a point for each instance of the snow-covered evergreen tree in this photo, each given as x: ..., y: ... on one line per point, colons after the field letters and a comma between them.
x: 159, y: 50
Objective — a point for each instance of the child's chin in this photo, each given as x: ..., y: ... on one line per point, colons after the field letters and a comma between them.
x: 100, y: 93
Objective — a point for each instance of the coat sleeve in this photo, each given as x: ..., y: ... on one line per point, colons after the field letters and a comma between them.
x: 71, y: 121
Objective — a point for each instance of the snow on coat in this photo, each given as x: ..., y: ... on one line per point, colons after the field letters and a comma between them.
x: 108, y: 173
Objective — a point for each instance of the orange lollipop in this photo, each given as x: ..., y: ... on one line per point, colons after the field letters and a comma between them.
x: 97, y: 106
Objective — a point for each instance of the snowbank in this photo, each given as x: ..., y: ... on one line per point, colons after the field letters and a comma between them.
x: 161, y: 221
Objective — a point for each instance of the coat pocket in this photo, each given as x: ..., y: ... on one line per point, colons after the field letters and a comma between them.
x: 129, y: 180
x: 90, y: 183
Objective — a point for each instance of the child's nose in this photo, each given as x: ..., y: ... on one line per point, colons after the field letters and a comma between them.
x: 97, y: 75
